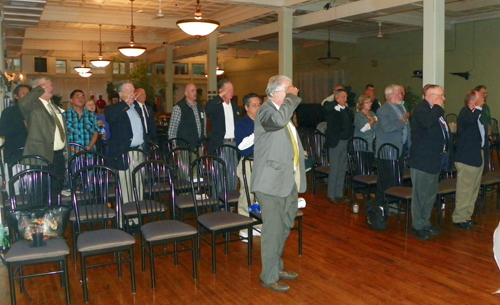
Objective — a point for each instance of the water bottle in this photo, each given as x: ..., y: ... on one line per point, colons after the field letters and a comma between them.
x: 254, y: 208
x: 2, y: 234
x: 102, y: 131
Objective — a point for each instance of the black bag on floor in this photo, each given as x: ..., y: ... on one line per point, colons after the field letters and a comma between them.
x: 376, y: 215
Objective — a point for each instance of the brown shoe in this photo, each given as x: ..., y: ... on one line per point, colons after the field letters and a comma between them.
x: 277, y: 286
x: 333, y: 201
x: 288, y: 275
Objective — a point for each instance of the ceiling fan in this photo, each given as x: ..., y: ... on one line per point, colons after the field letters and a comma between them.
x: 160, y: 13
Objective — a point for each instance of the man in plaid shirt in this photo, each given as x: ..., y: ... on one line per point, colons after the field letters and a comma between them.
x: 82, y: 124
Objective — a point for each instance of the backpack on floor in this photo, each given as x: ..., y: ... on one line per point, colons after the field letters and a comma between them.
x: 376, y: 215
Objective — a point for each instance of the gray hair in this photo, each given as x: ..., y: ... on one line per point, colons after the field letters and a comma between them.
x: 121, y: 84
x: 39, y: 79
x: 391, y: 89
x: 276, y: 84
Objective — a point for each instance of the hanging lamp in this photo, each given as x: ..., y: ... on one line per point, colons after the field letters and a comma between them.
x: 132, y: 50
x: 100, y: 63
x: 329, y: 60
x: 83, y: 67
x: 198, y: 26
x: 86, y: 74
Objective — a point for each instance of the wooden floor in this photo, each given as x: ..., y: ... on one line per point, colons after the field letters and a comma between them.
x: 344, y: 262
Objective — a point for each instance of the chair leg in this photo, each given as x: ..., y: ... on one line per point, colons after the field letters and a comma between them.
x: 132, y: 269
x: 300, y: 235
x: 214, y: 253
x: 498, y: 197
x: 143, y: 254
x: 195, y: 260
x: 152, y: 265
x: 12, y: 285
x: 314, y: 182
x: 84, y: 278
x: 250, y: 244
x: 66, y: 280
x: 119, y: 256
x: 407, y: 215
x: 176, y: 255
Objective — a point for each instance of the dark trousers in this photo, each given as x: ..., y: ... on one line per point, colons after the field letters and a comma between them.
x: 58, y: 167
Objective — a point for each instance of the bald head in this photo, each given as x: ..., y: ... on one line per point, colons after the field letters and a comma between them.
x: 190, y: 93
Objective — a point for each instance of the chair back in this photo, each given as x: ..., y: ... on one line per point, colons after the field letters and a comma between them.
x: 202, y: 146
x: 26, y: 162
x: 231, y: 155
x: 208, y: 180
x: 247, y: 166
x: 33, y: 189
x: 177, y: 142
x: 76, y: 146
x: 179, y: 159
x: 451, y: 118
x: 494, y: 130
x: 161, y: 146
x: 361, y: 159
x: 14, y: 155
x: 92, y: 200
x: 389, y: 166
x: 126, y: 162
x: 153, y: 178
x: 319, y: 152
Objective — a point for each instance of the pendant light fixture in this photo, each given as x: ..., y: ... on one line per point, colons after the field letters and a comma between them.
x: 86, y: 74
x: 100, y: 63
x: 197, y: 26
x: 83, y: 67
x: 329, y: 60
x: 132, y: 50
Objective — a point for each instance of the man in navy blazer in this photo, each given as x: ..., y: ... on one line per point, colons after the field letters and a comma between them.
x: 224, y: 114
x: 125, y: 124
x: 430, y: 139
x: 469, y: 159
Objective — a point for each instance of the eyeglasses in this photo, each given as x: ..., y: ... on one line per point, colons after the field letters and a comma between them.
x: 368, y: 102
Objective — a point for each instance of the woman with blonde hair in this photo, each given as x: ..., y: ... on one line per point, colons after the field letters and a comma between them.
x: 365, y: 121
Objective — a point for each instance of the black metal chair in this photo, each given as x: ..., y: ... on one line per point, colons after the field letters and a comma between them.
x: 32, y: 203
x: 179, y: 159
x: 362, y: 162
x: 207, y: 181
x: 247, y: 163
x: 151, y: 211
x: 231, y: 156
x: 390, y: 178
x: 321, y: 164
x: 97, y: 221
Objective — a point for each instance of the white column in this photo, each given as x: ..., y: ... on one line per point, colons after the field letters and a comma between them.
x: 212, y: 65
x: 285, y: 43
x: 433, y: 47
x: 169, y: 77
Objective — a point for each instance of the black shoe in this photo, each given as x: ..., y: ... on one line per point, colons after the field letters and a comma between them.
x: 422, y: 234
x: 462, y: 225
x: 471, y: 223
x: 432, y: 232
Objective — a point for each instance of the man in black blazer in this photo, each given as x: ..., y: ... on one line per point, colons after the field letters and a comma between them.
x: 469, y: 159
x: 148, y: 117
x: 217, y: 108
x: 430, y: 139
x: 126, y: 124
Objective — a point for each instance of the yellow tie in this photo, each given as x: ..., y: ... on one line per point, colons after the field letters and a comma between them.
x: 295, y: 148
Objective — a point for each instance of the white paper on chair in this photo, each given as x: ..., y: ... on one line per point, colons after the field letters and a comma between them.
x: 302, y: 203
x: 196, y: 179
x: 201, y: 196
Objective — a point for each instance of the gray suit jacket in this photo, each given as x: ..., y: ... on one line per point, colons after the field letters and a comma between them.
x: 390, y: 129
x: 41, y: 126
x: 273, y: 151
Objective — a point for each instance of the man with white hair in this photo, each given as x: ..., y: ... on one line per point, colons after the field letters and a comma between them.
x: 278, y: 176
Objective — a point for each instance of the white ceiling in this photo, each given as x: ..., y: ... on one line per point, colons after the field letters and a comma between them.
x: 58, y: 27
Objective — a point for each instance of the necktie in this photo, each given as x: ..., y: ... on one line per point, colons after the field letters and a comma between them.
x: 444, y: 128
x: 56, y: 120
x: 295, y: 148
x: 146, y: 116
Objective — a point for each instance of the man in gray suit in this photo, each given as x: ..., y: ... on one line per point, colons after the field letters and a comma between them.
x: 47, y: 131
x: 278, y: 175
x: 393, y: 127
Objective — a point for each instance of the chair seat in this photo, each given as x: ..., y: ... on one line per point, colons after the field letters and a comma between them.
x: 93, y: 212
x: 223, y: 220
x: 232, y: 196
x: 184, y: 201
x: 447, y: 186
x: 399, y: 192
x: 103, y: 239
x: 366, y: 179
x: 406, y: 174
x: 21, y: 251
x: 322, y: 169
x: 166, y: 229
x: 161, y: 187
x: 258, y: 215
x: 129, y: 208
x: 490, y: 179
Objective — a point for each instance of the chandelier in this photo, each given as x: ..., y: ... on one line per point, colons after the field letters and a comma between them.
x: 329, y: 60
x: 83, y: 67
x: 85, y: 74
x: 132, y: 50
x: 100, y: 63
x: 197, y: 26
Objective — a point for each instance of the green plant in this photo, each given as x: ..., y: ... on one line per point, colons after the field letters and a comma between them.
x: 141, y: 78
x: 411, y: 99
